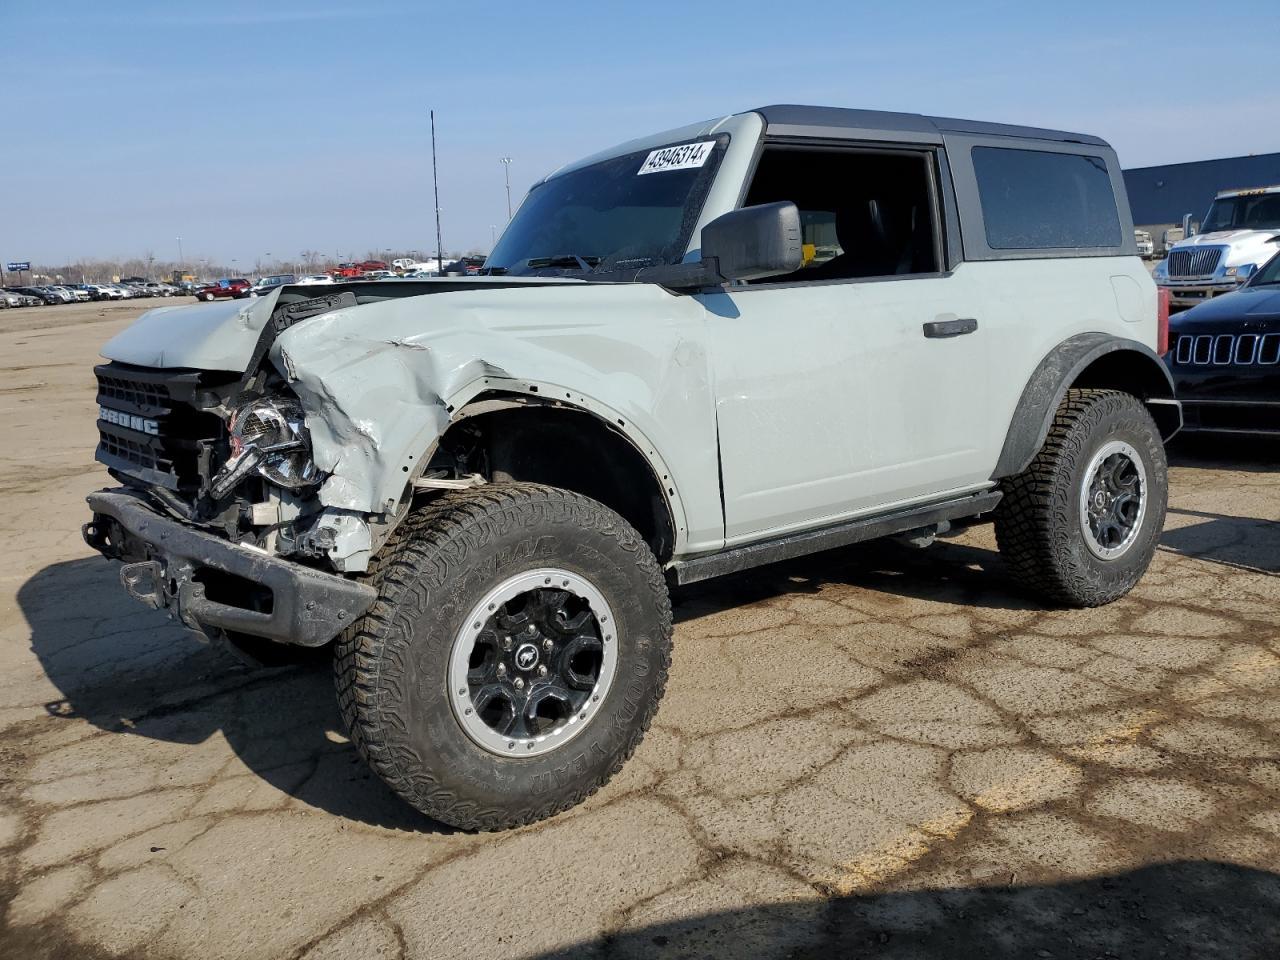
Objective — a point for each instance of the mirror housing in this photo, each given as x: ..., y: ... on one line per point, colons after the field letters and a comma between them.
x: 744, y: 244
x: 754, y: 242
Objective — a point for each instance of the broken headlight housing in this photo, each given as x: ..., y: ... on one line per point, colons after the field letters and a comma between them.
x: 269, y: 437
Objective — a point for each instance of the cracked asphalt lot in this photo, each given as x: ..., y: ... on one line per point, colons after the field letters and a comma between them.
x: 879, y: 752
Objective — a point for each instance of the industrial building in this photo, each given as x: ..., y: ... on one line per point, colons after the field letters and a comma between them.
x: 1161, y: 196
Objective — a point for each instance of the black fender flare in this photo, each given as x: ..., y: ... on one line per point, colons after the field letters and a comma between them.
x: 1058, y: 371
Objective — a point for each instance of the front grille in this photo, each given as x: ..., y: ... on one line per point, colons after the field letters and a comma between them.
x: 1227, y: 349
x: 148, y: 429
x: 137, y: 393
x: 1196, y: 262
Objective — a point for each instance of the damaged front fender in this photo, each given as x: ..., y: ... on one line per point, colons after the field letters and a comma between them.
x: 380, y: 383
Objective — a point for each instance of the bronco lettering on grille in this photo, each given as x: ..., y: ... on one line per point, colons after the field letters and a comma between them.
x: 129, y: 421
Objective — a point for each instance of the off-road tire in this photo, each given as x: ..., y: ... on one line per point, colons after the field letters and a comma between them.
x: 1038, y: 526
x: 391, y: 666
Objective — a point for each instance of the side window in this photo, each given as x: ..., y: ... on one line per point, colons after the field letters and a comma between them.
x: 1040, y: 200
x: 862, y: 213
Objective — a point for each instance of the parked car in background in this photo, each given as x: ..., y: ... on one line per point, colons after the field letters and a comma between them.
x: 378, y: 274
x: 1146, y: 248
x: 402, y: 264
x: 347, y: 270
x: 105, y: 291
x: 225, y: 289
x: 28, y: 296
x: 75, y: 294
x: 1225, y: 358
x: 43, y: 294
x: 315, y: 280
x: 12, y: 299
x: 62, y: 293
x: 1239, y: 232
x: 266, y: 285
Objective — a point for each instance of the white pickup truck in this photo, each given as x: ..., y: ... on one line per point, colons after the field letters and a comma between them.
x: 1239, y: 234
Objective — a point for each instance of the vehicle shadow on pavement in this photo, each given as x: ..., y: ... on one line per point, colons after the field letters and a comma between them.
x: 1179, y: 909
x: 1250, y: 544
x: 946, y: 572
x: 1244, y: 543
x: 131, y: 671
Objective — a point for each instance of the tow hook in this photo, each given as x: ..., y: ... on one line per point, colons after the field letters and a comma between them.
x: 142, y: 581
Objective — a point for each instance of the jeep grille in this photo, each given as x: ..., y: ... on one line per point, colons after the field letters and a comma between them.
x: 1224, y: 349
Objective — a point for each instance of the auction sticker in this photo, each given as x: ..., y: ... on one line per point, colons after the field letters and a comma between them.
x: 682, y: 157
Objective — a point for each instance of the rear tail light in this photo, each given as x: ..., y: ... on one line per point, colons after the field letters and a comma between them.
x: 1162, y: 321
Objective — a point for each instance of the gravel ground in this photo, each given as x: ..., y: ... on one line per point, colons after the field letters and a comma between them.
x: 876, y: 752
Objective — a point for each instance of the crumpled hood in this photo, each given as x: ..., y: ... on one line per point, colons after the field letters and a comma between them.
x: 204, y: 336
x: 221, y: 335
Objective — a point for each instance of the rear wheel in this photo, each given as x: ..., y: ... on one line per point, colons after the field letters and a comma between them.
x: 1079, y: 526
x: 514, y: 658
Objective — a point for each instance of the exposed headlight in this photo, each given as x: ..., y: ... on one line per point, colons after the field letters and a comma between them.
x: 1162, y: 269
x: 268, y: 436
x: 1243, y: 271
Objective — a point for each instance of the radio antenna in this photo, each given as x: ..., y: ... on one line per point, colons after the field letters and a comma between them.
x: 435, y: 186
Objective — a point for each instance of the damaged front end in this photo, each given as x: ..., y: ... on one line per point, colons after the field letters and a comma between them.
x: 218, y: 516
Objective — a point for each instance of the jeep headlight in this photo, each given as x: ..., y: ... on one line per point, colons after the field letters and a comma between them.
x: 268, y: 436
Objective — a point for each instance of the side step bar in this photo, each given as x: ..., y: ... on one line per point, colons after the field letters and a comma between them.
x: 829, y: 538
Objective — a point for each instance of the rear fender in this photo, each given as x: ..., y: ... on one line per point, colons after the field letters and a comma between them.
x: 1086, y: 360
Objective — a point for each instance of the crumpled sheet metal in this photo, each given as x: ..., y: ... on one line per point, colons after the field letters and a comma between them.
x: 379, y: 382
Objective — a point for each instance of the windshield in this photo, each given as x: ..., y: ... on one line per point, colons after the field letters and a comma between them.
x: 626, y: 212
x: 1257, y: 212
x: 1269, y: 275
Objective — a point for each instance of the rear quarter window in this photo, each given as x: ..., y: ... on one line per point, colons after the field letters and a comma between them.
x: 1041, y: 200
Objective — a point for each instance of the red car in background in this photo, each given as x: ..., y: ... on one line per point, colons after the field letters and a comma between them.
x: 224, y: 289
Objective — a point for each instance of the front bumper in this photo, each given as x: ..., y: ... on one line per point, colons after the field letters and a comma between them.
x: 1244, y: 417
x: 1187, y: 293
x: 171, y: 565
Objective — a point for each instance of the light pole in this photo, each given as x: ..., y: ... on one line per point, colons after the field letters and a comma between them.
x: 493, y: 236
x: 182, y: 264
x: 506, y: 175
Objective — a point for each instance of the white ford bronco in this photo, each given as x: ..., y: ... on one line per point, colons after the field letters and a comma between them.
x: 729, y: 344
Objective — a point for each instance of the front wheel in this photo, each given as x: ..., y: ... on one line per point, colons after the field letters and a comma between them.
x: 514, y: 658
x: 1079, y: 526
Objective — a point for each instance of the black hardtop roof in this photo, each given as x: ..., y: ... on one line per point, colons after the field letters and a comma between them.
x: 843, y: 118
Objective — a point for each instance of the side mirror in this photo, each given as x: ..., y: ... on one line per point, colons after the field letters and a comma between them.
x: 754, y: 242
x: 1245, y: 271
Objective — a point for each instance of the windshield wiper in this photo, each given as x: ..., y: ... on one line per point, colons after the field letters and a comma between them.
x: 563, y: 260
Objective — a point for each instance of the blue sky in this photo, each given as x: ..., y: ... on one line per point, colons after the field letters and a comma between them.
x: 255, y: 128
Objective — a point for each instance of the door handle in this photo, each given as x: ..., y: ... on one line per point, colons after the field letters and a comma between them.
x: 950, y: 328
